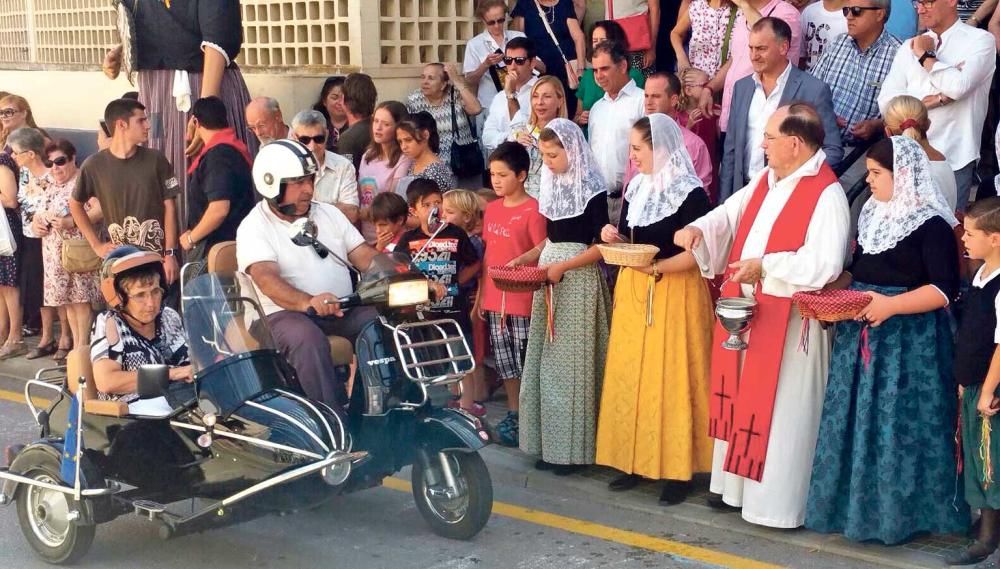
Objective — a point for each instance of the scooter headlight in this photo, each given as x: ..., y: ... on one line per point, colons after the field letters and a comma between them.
x: 408, y: 293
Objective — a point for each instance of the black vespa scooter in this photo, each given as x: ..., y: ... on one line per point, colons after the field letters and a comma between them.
x: 247, y: 443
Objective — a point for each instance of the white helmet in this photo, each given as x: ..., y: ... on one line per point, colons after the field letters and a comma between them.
x: 280, y: 161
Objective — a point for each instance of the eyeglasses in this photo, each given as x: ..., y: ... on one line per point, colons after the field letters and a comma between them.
x: 154, y: 294
x: 856, y: 11
x: 59, y: 161
x: 517, y: 60
x: 496, y: 22
x: 9, y: 112
x: 923, y: 3
x: 318, y: 139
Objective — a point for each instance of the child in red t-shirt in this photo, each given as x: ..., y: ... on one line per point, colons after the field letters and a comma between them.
x: 513, y: 233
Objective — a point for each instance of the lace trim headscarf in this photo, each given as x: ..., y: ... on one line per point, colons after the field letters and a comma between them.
x: 916, y: 198
x: 659, y: 195
x: 566, y: 195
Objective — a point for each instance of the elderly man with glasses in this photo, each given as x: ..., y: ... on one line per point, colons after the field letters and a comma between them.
x: 950, y: 68
x: 854, y: 66
x: 336, y: 179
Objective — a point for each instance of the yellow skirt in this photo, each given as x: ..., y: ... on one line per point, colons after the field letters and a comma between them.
x: 653, y: 417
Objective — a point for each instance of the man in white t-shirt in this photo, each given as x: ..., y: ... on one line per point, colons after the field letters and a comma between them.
x: 299, y: 287
x: 821, y: 23
x: 336, y: 178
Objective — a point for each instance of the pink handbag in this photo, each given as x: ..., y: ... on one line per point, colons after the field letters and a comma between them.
x: 637, y: 31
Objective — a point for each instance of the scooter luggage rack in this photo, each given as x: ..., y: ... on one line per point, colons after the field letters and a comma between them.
x: 448, y: 336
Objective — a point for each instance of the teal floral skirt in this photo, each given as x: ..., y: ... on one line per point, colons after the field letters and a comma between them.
x: 885, y: 461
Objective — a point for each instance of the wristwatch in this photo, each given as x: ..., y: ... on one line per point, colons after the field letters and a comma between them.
x: 927, y: 55
x: 170, y: 252
x: 511, y: 96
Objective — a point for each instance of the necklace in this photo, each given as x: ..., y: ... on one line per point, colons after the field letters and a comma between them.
x: 550, y: 12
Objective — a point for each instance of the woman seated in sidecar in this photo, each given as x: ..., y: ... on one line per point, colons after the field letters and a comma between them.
x: 137, y: 329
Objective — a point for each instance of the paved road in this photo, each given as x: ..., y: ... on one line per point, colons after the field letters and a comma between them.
x: 382, y: 528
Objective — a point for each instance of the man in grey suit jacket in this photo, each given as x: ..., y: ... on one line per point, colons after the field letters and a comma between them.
x: 774, y: 83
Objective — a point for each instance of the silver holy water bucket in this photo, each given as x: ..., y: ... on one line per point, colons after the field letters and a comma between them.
x: 735, y: 315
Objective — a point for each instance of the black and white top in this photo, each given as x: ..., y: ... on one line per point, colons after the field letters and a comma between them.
x: 132, y: 349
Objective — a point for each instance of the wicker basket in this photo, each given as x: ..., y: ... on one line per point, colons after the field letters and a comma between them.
x: 831, y: 305
x: 518, y: 279
x: 628, y: 254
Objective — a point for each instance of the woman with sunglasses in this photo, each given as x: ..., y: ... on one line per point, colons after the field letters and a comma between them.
x: 484, y: 67
x: 11, y: 333
x: 28, y: 150
x: 15, y: 112
x: 70, y: 292
x: 444, y: 94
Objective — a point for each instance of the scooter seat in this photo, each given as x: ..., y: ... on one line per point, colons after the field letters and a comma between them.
x: 341, y: 350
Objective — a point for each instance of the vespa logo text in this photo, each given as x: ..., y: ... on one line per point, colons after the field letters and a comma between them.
x: 381, y: 361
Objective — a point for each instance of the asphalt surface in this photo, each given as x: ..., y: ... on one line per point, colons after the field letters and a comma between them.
x: 560, y: 527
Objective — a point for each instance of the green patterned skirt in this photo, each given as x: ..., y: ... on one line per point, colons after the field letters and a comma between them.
x: 560, y: 388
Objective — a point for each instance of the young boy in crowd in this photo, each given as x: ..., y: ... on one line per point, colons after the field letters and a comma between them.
x: 514, y: 234
x: 449, y: 260
x: 389, y: 212
x: 977, y: 370
x: 461, y: 208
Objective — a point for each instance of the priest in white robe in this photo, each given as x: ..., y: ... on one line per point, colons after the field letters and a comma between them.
x: 785, y: 232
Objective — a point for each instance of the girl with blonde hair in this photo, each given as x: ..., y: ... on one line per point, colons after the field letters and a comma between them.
x: 907, y: 116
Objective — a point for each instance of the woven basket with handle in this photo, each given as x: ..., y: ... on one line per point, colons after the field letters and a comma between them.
x: 517, y: 279
x: 831, y: 305
x: 628, y: 254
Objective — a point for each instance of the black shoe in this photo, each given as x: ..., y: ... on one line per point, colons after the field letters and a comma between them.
x: 715, y: 501
x: 674, y: 492
x: 542, y: 465
x: 29, y: 332
x: 624, y: 482
x: 567, y: 469
x: 975, y: 553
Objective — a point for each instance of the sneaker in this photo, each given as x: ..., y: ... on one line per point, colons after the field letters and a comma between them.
x: 507, y: 430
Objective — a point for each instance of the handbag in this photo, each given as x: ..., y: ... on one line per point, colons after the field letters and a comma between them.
x: 466, y: 159
x: 79, y: 257
x: 572, y: 79
x: 7, y: 243
x: 636, y: 28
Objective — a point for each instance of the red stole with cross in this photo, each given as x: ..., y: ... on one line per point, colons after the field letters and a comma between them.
x: 743, y: 400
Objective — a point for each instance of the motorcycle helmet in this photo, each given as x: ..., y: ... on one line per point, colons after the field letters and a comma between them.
x: 122, y: 262
x: 276, y: 164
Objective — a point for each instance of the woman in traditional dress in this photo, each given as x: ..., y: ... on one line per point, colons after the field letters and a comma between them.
x: 548, y: 101
x: 182, y: 50
x: 654, y: 407
x: 568, y: 338
x: 884, y: 468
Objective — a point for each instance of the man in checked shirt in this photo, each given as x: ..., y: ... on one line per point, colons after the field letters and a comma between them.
x: 853, y: 66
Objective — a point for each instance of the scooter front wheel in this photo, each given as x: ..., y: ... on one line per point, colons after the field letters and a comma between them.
x: 460, y: 512
x: 44, y: 516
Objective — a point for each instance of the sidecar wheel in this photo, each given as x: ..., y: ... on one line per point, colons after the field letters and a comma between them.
x: 44, y: 517
x: 463, y: 516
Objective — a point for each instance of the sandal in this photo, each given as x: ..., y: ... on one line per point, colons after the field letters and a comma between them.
x: 42, y: 350
x: 477, y: 409
x: 507, y: 430
x: 13, y: 350
x: 61, y: 354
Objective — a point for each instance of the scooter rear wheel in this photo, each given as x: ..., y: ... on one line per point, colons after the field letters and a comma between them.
x: 44, y: 516
x: 462, y: 516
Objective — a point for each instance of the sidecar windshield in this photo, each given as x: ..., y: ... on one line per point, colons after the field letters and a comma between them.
x: 223, y: 319
x: 385, y: 265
